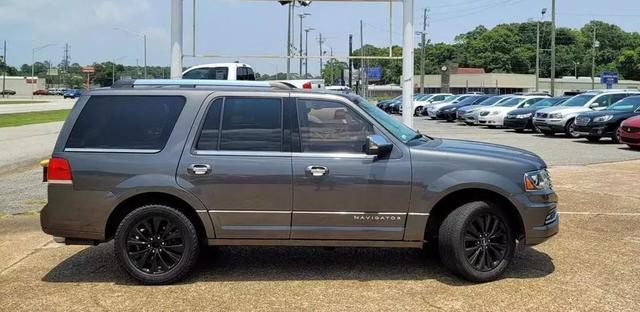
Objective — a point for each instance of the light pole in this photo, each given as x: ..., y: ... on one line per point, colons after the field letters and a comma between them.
x: 544, y: 11
x: 575, y: 68
x: 144, y: 41
x: 33, y: 62
x: 553, y: 47
x: 113, y: 69
x: 596, y: 44
x: 302, y: 16
x: 306, y: 50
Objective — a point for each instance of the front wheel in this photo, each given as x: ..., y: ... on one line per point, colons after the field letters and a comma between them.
x: 476, y: 242
x: 570, y: 130
x: 593, y: 139
x: 156, y: 244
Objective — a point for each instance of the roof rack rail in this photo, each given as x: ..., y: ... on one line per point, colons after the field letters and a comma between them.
x: 194, y: 83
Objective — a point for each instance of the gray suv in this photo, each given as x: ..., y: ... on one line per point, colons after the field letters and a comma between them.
x: 165, y: 168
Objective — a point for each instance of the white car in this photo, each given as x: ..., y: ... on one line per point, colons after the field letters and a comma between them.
x: 493, y: 116
x: 434, y: 108
x: 561, y: 118
x: 426, y: 100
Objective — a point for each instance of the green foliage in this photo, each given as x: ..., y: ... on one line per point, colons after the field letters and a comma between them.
x: 332, y: 71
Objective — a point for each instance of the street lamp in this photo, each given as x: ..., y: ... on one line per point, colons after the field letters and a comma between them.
x: 543, y: 12
x: 306, y: 50
x: 33, y: 62
x: 575, y: 68
x: 144, y: 40
x: 302, y: 16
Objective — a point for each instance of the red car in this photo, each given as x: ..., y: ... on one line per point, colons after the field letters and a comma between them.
x: 40, y: 92
x: 629, y: 132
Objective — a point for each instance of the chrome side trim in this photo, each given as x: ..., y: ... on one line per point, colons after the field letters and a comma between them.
x: 60, y: 181
x: 112, y: 150
x: 315, y: 228
x: 242, y: 153
x: 418, y: 214
x: 333, y: 155
x: 201, y: 210
x: 249, y: 211
x: 349, y: 212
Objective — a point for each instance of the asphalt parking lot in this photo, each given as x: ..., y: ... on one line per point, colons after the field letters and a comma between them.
x: 590, y: 265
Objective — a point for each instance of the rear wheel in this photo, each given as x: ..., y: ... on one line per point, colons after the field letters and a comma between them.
x: 593, y: 139
x: 548, y: 133
x: 476, y: 242
x: 570, y: 129
x: 156, y: 244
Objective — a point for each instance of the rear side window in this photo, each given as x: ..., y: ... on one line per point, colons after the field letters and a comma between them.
x: 198, y: 73
x: 219, y: 73
x: 126, y: 122
x: 251, y: 124
x: 208, y: 139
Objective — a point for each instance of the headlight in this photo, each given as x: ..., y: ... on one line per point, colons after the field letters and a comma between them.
x: 555, y: 116
x: 603, y: 118
x: 522, y: 116
x: 537, y: 180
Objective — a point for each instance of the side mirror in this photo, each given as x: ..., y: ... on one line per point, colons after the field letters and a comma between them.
x: 594, y: 105
x: 377, y: 145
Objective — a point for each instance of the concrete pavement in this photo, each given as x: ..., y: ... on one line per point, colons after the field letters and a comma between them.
x: 54, y: 104
x: 591, y: 265
x: 25, y: 146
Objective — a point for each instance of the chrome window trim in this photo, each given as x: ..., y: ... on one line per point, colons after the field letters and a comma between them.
x: 241, y: 153
x: 250, y: 211
x: 111, y: 150
x: 332, y: 155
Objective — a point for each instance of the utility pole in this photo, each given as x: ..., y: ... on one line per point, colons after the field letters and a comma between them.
x: 575, y: 68
x: 424, y: 49
x: 544, y: 11
x: 66, y: 62
x: 4, y: 66
x: 350, y: 62
x: 320, y: 43
x: 289, y: 22
x: 553, y: 47
x: 362, y: 69
x: 595, y: 44
x: 306, y: 51
x: 301, y: 15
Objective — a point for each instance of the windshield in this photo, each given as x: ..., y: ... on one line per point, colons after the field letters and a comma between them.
x: 578, y: 100
x: 470, y: 100
x: 397, y: 129
x: 629, y: 104
x: 451, y: 98
x: 545, y: 103
x: 492, y: 100
x: 510, y: 102
x: 420, y: 97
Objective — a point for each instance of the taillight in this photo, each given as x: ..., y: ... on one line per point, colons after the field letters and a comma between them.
x: 58, y: 171
x: 306, y: 85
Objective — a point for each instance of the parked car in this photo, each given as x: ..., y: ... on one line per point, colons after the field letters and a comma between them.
x: 433, y: 109
x: 598, y: 124
x: 8, y: 92
x: 522, y: 119
x: 163, y: 169
x: 493, y: 116
x: 384, y: 104
x: 429, y: 99
x: 41, y: 92
x: 396, y: 106
x: 448, y: 112
x: 72, y: 93
x: 561, y: 118
x: 629, y: 132
x: 470, y: 113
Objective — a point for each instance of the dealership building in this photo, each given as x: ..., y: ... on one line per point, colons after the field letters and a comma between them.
x: 23, y: 85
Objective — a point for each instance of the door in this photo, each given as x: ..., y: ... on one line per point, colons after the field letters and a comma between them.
x: 339, y: 191
x: 239, y: 165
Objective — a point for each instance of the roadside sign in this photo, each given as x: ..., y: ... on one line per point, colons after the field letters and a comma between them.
x: 88, y: 69
x: 609, y: 79
x: 374, y: 73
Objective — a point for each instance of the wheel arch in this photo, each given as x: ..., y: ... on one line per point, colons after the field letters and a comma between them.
x: 448, y: 203
x: 148, y: 198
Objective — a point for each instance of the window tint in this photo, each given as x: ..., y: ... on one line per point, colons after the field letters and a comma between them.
x: 198, y: 73
x: 328, y: 127
x: 250, y: 74
x: 219, y: 73
x: 244, y: 73
x: 126, y: 122
x: 251, y: 124
x: 208, y: 139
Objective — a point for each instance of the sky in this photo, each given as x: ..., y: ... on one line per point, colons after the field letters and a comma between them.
x: 102, y: 30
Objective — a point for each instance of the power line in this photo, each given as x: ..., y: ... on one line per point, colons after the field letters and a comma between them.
x: 477, y: 10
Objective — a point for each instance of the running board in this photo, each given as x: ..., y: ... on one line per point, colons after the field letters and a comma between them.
x: 320, y: 243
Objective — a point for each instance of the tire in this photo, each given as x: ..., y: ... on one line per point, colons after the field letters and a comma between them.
x: 615, y: 138
x: 160, y: 264
x: 568, y: 130
x: 593, y: 139
x: 491, y: 127
x: 548, y: 133
x: 454, y: 237
x: 519, y: 130
x: 634, y: 147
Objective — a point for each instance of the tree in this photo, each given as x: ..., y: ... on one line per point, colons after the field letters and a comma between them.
x: 332, y: 71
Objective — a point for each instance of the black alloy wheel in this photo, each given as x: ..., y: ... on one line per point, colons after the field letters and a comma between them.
x: 155, y: 245
x: 485, y: 242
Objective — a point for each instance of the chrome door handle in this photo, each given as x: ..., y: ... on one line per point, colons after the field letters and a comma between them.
x: 199, y: 169
x: 317, y: 171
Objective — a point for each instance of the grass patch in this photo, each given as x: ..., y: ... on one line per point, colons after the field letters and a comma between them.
x: 20, y: 119
x: 22, y: 102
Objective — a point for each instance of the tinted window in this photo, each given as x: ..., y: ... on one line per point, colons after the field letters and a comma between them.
x: 208, y: 139
x: 126, y: 122
x: 219, y: 73
x: 251, y: 124
x: 578, y: 100
x: 327, y: 126
x: 198, y: 73
x: 492, y: 100
x: 393, y: 125
x: 627, y: 105
x: 510, y: 102
x: 248, y: 74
